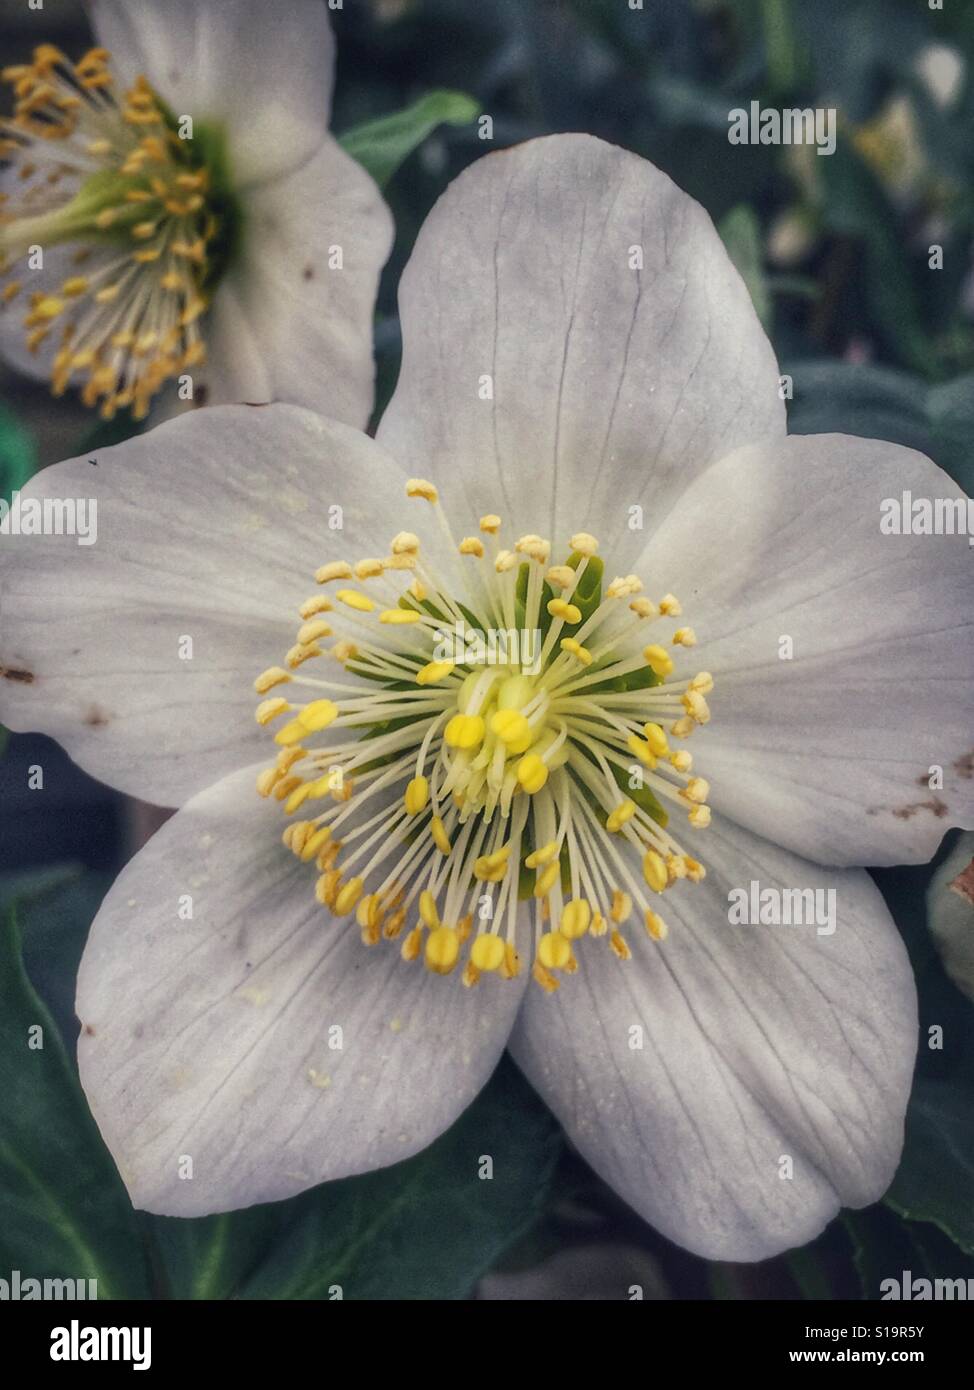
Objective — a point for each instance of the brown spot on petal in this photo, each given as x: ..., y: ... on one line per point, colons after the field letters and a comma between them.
x: 96, y: 718
x: 11, y: 673
x: 935, y: 806
x: 89, y: 1030
x: 963, y: 884
x: 309, y: 272
x: 964, y: 767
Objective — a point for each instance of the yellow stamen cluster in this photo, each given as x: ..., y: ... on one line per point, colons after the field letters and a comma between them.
x: 104, y: 171
x: 462, y: 788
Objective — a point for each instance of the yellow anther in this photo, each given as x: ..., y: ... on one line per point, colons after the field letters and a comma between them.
x: 315, y: 843
x: 654, y: 871
x: 506, y: 560
x: 567, y: 612
x: 287, y: 757
x: 696, y: 790
x: 619, y: 815
x: 45, y: 309
x: 266, y: 780
x: 464, y: 731
x: 361, y: 603
x: 640, y: 748
x: 542, y: 856
x: 659, y: 659
x: 472, y: 545
x: 416, y: 795
x: 442, y: 950
x: 534, y: 546
x: 344, y: 651
x: 297, y: 655
x: 576, y: 917
x: 623, y: 586
x: 656, y: 739
x: 554, y: 951
x: 311, y: 631
x: 427, y: 910
x: 292, y: 732
x: 335, y: 569
x: 560, y: 576
x: 544, y: 978
x: 75, y: 285
x: 440, y: 838
x: 419, y: 487
x: 270, y: 709
x: 696, y: 706
x: 621, y: 907
x: 696, y: 872
x: 368, y: 911
x: 394, y: 925
x: 470, y: 976
x: 487, y: 952
x: 412, y: 945
x: 699, y: 817
x: 684, y: 637
x: 368, y: 569
x: 532, y: 773
x: 702, y: 682
x: 620, y: 945
x: 655, y: 925
x: 682, y: 760
x: 644, y: 608
x: 399, y: 617
x: 670, y: 605
x: 512, y: 962
x: 347, y: 897
x: 404, y: 543
x: 490, y: 525
x: 267, y: 680
x: 584, y: 543
x: 512, y: 729
x: 582, y: 654
x: 318, y: 715
x: 547, y: 879
x: 433, y: 671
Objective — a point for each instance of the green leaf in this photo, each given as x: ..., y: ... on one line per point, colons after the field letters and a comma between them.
x: 381, y: 146
x: 431, y: 1226
x: 740, y: 232
x: 950, y: 409
x: 935, y: 1181
x: 63, y: 1210
x: 18, y: 457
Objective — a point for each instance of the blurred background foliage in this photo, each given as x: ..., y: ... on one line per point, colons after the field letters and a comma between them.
x: 836, y: 252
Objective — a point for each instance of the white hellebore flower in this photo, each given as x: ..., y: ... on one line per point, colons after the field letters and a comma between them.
x: 579, y: 354
x: 174, y: 204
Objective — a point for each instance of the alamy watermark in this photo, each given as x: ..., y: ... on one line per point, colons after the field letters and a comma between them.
x: 757, y: 125
x: 907, y: 515
x: 493, y: 646
x: 782, y: 907
x: 19, y: 1288
x: 50, y: 516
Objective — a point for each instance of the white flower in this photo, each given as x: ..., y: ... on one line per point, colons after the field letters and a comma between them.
x: 579, y: 353
x: 190, y: 206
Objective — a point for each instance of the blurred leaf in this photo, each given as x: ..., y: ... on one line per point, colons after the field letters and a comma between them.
x: 63, y: 1211
x: 935, y: 1181
x: 18, y: 457
x: 951, y: 411
x: 381, y: 146
x: 431, y: 1226
x: 740, y: 232
x: 873, y: 402
x: 857, y: 208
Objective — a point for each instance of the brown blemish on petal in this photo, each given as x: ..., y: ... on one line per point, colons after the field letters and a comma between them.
x: 935, y: 806
x: 11, y: 673
x: 96, y: 718
x: 309, y: 272
x: 963, y: 884
x: 964, y: 767
x: 89, y: 1030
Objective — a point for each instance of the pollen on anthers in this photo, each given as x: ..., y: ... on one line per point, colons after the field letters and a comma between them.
x: 106, y: 174
x: 474, y: 809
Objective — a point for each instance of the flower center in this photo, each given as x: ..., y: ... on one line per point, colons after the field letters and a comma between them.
x: 517, y: 735
x: 144, y: 198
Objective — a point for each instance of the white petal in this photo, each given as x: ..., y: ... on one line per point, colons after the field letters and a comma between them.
x: 215, y: 1038
x: 829, y: 753
x: 209, y: 527
x: 288, y: 323
x: 612, y: 387
x: 266, y: 79
x: 760, y: 1043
